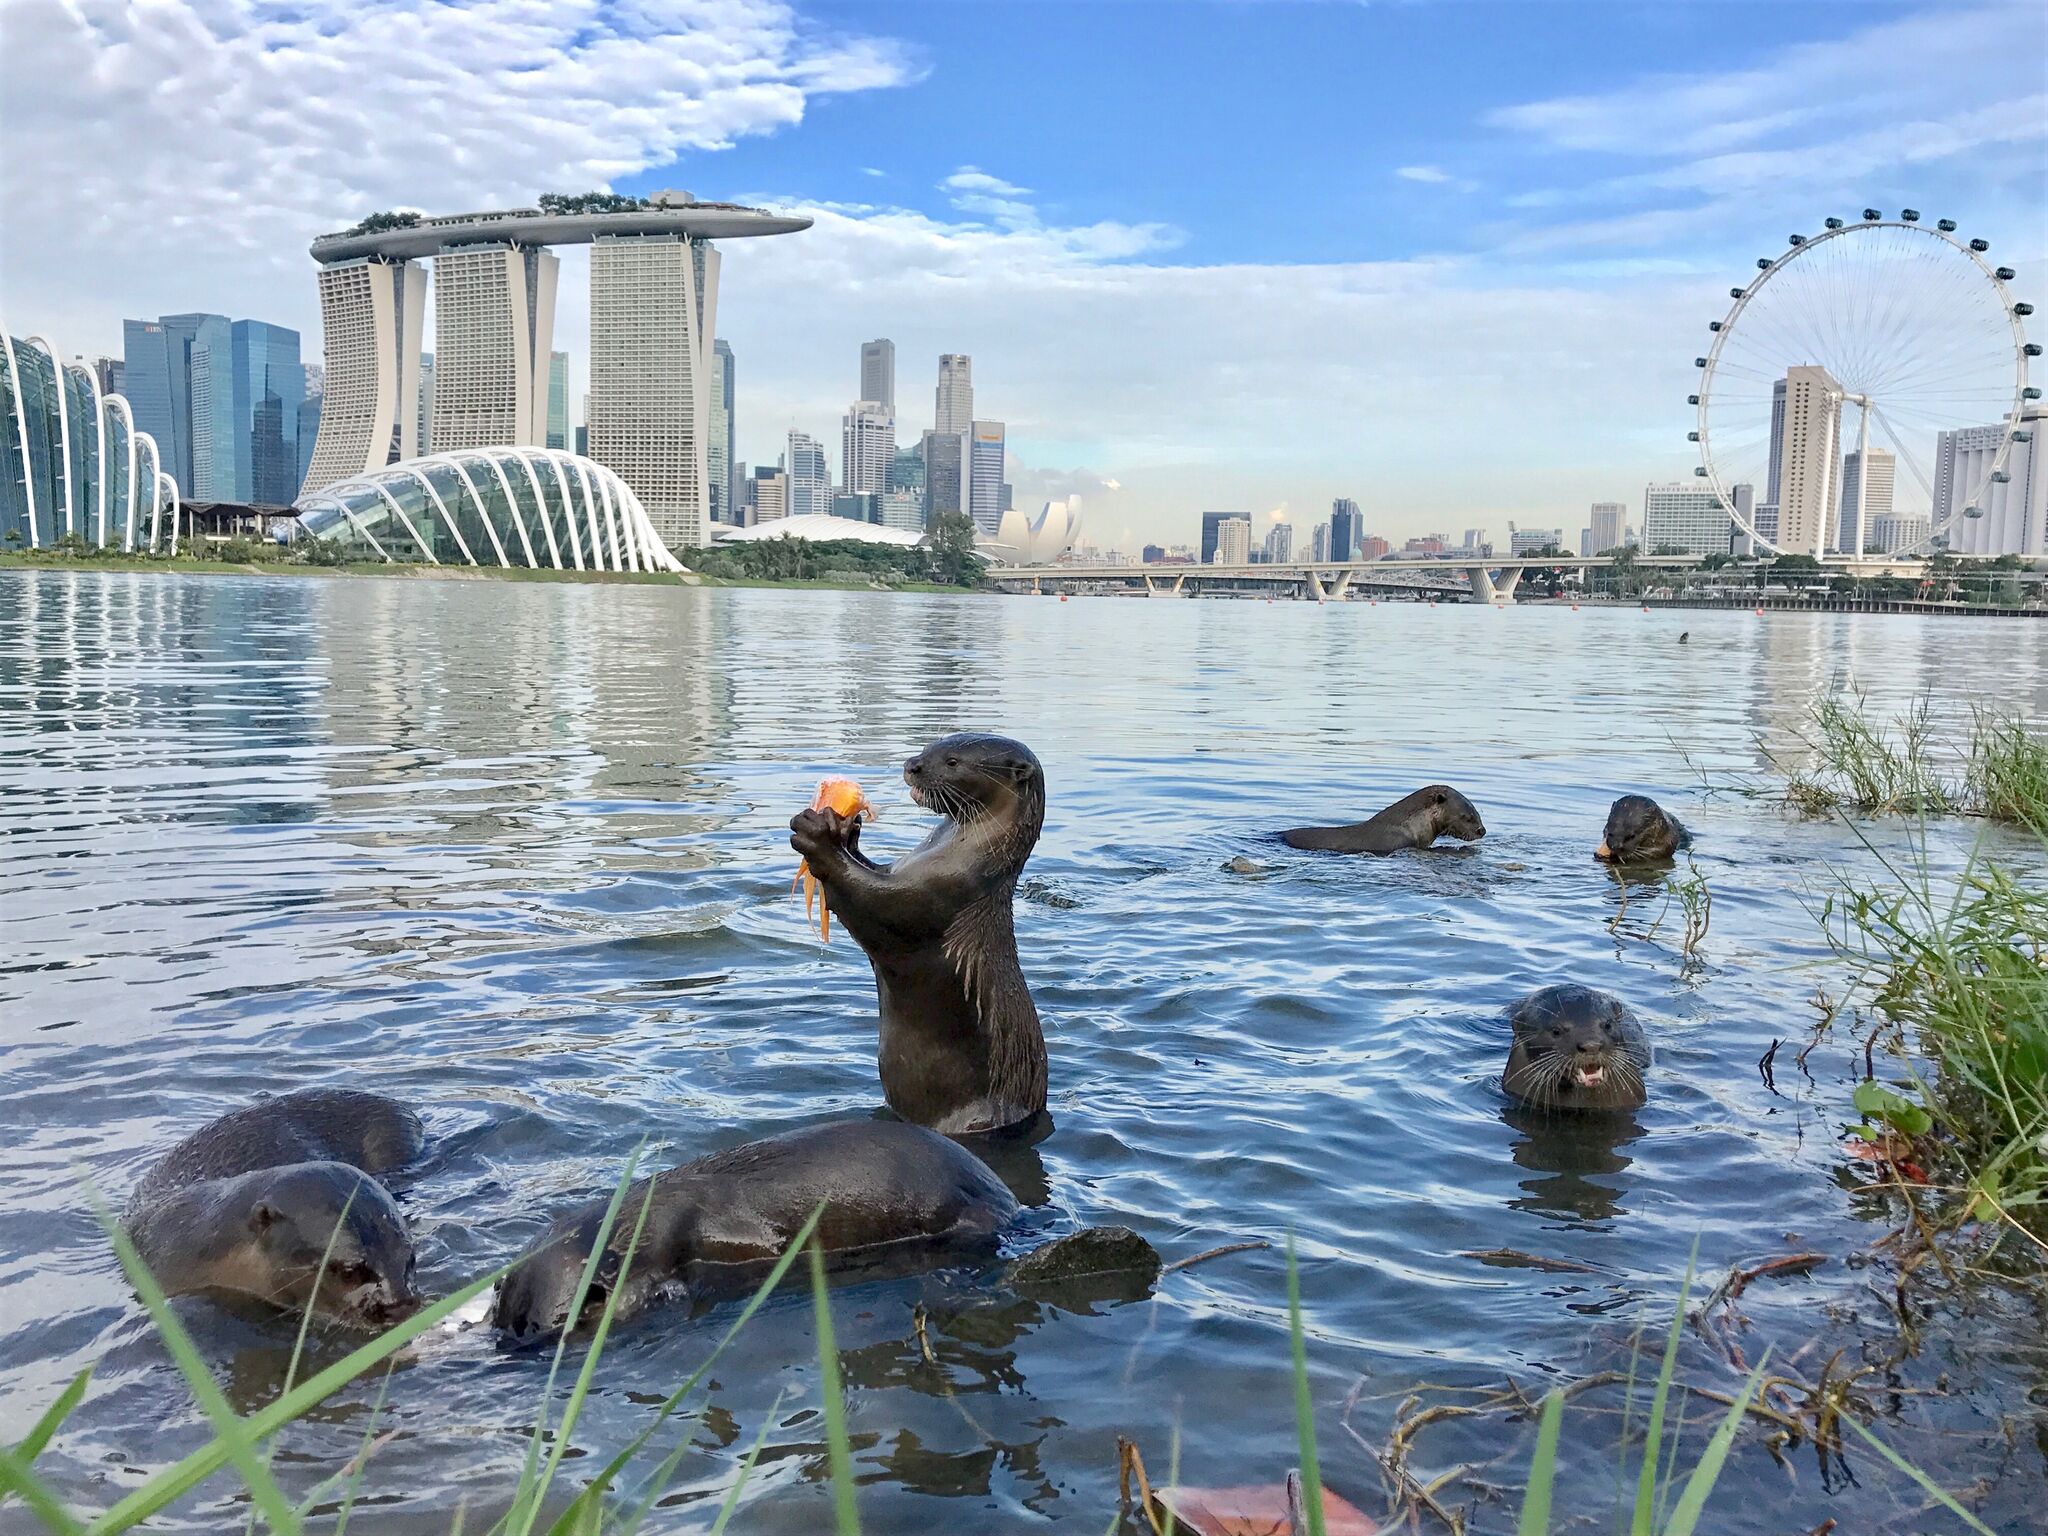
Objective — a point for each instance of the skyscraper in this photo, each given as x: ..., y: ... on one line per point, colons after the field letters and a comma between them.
x: 1319, y: 542
x: 309, y: 434
x: 2012, y: 514
x: 1279, y: 543
x: 810, y: 483
x: 724, y: 472
x: 1608, y: 520
x: 945, y: 473
x: 867, y: 446
x: 1775, y: 474
x: 1855, y: 534
x: 878, y: 373
x: 1686, y: 516
x: 494, y: 316
x: 770, y: 495
x: 903, y: 503
x: 558, y: 400
x: 370, y: 313
x: 225, y: 397
x: 985, y: 475
x: 1809, y: 453
x: 653, y: 306
x: 1234, y: 541
x: 953, y: 408
x: 423, y: 439
x: 261, y: 438
x: 1212, y: 532
x: 1347, y: 530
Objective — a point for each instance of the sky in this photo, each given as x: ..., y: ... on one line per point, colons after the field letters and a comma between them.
x: 1451, y: 260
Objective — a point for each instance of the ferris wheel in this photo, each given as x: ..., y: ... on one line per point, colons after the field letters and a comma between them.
x: 1866, y: 389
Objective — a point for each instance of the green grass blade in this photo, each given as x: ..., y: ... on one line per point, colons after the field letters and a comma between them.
x: 36, y: 1439
x: 361, y: 1458
x: 228, y: 1427
x: 15, y: 1477
x: 845, y: 1517
x: 179, y: 1479
x: 1653, y: 1434
x: 1932, y: 1489
x: 1535, y: 1519
x: 565, y: 1524
x: 1685, y: 1517
x: 291, y: 1370
x: 1304, y: 1413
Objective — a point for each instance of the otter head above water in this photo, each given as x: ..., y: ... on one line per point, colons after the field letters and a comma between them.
x: 299, y: 1213
x: 1413, y: 821
x: 968, y: 776
x: 1576, y: 1049
x: 1640, y: 831
x: 1449, y: 812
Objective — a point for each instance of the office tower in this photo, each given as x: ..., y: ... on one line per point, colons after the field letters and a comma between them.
x: 309, y: 434
x: 558, y: 400
x: 1897, y: 532
x: 878, y: 373
x: 157, y: 366
x: 494, y: 319
x: 1347, y: 529
x: 724, y: 474
x: 259, y: 445
x: 653, y: 309
x: 1233, y: 541
x: 867, y: 447
x: 1527, y: 541
x: 1854, y: 535
x: 953, y: 409
x: 810, y: 482
x: 423, y: 437
x: 1006, y: 501
x: 1475, y: 539
x: 1809, y: 453
x: 945, y: 473
x: 204, y: 404
x: 1279, y: 543
x: 1609, y: 517
x: 1776, y: 472
x: 370, y: 313
x: 985, y: 475
x: 1586, y: 541
x: 771, y: 496
x: 2013, y: 513
x: 1212, y: 533
x: 1319, y: 542
x: 1686, y: 516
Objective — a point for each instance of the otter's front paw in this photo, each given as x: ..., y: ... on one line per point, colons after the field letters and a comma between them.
x: 822, y: 835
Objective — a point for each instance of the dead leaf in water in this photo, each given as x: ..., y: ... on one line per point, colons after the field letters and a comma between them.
x: 1261, y: 1510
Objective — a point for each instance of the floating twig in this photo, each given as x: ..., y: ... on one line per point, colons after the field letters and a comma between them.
x: 1215, y: 1253
x: 1514, y: 1258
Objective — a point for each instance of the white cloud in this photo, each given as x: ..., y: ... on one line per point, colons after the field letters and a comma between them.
x: 869, y: 170
x: 1432, y: 174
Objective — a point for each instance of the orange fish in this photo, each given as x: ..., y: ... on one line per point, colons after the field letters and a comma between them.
x: 845, y: 797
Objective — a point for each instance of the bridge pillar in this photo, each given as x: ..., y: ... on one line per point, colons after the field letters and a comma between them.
x: 1315, y: 585
x: 1343, y: 584
x: 1487, y: 590
x: 1179, y: 582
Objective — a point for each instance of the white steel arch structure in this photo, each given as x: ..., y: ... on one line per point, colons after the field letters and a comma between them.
x: 444, y: 513
x: 1902, y: 321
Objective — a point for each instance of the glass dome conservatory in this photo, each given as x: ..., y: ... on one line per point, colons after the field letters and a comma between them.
x: 72, y: 465
x: 523, y: 506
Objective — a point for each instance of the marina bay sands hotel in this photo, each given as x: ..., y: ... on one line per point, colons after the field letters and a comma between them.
x: 653, y: 318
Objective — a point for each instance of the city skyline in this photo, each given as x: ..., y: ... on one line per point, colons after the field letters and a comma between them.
x: 1594, y: 212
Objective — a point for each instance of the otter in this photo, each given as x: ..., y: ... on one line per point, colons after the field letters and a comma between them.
x: 1576, y: 1049
x: 961, y: 1049
x: 1414, y: 822
x: 251, y: 1203
x: 1640, y: 831
x: 894, y: 1195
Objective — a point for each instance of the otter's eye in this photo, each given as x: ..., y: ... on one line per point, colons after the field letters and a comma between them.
x: 952, y: 762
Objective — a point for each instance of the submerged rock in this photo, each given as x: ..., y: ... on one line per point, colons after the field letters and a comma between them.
x: 1094, y: 1264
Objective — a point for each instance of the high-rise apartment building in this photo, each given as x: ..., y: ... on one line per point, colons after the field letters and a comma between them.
x: 1854, y: 533
x: 370, y: 317
x: 1607, y: 523
x: 1686, y: 516
x: 985, y: 485
x: 1234, y: 541
x: 558, y: 400
x: 953, y: 407
x: 724, y: 472
x: 810, y: 482
x: 423, y: 437
x: 1279, y: 543
x: 770, y: 496
x: 878, y: 373
x: 653, y: 309
x: 1212, y: 533
x: 867, y: 447
x: 1347, y: 529
x: 494, y: 316
x: 2013, y: 513
x: 1319, y: 542
x: 1810, y: 458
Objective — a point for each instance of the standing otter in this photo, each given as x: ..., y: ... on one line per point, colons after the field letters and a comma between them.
x: 1414, y: 822
x: 892, y: 1194
x: 1576, y: 1048
x: 251, y: 1203
x: 961, y: 1049
x: 1640, y: 831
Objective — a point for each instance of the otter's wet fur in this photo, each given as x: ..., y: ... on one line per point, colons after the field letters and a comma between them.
x: 893, y: 1196
x: 1414, y: 821
x: 250, y: 1203
x: 961, y: 1048
x: 1640, y: 831
x: 1576, y: 1048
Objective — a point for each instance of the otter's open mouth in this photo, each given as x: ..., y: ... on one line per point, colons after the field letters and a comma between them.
x: 1589, y: 1076
x: 1603, y: 852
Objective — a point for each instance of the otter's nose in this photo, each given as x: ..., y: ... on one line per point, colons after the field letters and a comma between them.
x: 1603, y: 851
x: 913, y: 767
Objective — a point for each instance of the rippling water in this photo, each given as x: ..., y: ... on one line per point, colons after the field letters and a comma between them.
x: 518, y: 855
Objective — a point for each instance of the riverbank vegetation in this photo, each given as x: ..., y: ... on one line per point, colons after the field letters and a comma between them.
x: 945, y: 560
x: 1944, y: 578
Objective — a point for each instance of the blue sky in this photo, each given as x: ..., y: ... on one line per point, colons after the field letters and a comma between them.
x: 1450, y: 259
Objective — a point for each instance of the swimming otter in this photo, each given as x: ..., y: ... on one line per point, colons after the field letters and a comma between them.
x: 1576, y: 1049
x: 892, y: 1194
x: 961, y: 1049
x: 1414, y: 822
x: 1640, y: 831
x: 251, y: 1202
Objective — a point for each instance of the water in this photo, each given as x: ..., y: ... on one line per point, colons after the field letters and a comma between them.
x: 517, y: 855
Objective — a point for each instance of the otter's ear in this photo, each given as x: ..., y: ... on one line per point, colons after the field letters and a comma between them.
x: 262, y: 1217
x: 1439, y: 798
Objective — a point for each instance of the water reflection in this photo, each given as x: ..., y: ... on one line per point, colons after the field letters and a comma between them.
x: 1579, y: 1158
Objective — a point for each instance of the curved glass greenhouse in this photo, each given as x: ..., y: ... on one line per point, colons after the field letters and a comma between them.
x: 72, y: 465
x: 526, y: 506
